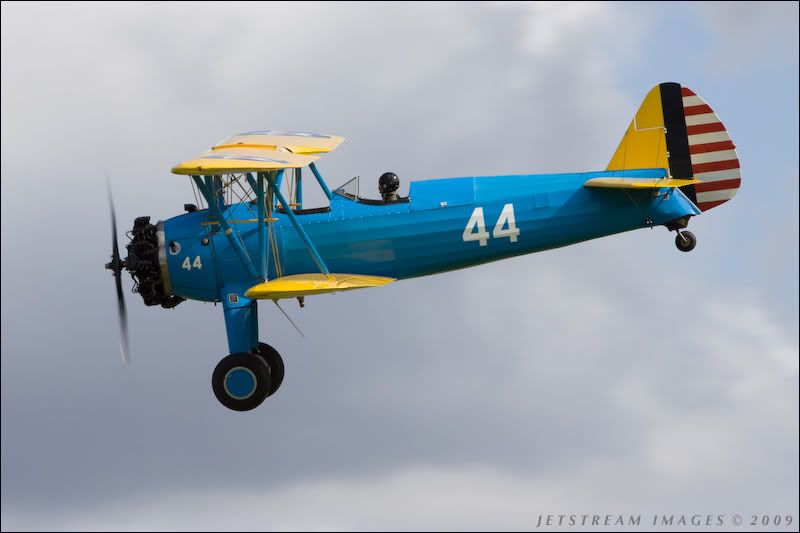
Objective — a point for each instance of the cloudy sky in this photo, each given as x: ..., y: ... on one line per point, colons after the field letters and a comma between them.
x: 615, y: 376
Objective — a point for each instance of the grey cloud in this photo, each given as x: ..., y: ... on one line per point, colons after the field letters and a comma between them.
x: 744, y: 32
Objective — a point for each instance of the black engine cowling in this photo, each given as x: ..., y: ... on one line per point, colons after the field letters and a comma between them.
x: 143, y: 264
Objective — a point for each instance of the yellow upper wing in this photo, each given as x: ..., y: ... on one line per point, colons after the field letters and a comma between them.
x: 294, y: 141
x: 250, y: 159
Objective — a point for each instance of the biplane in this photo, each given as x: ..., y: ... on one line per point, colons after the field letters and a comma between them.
x: 250, y: 237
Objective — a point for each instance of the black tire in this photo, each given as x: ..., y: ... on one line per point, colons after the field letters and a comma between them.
x: 274, y: 363
x: 241, y: 381
x: 685, y: 241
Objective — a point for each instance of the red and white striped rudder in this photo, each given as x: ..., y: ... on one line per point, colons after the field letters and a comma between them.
x: 712, y: 153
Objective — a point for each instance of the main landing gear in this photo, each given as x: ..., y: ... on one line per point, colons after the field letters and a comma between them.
x: 685, y: 240
x: 241, y: 381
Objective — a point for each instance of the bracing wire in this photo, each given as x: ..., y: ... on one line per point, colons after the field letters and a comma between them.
x: 288, y: 318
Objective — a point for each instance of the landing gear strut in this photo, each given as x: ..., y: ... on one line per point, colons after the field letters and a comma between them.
x: 685, y: 241
x: 241, y: 381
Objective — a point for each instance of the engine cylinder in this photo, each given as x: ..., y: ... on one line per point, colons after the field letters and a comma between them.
x: 145, y: 267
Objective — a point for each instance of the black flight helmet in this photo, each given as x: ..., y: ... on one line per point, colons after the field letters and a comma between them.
x: 388, y: 183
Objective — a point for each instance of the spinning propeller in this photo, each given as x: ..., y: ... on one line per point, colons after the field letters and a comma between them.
x: 116, y: 266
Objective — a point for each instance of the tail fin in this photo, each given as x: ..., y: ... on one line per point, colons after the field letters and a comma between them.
x: 676, y: 130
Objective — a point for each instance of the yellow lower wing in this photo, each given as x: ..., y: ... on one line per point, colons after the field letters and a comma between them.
x: 637, y: 183
x: 308, y: 284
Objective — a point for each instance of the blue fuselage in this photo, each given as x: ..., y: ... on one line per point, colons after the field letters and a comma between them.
x: 440, y: 228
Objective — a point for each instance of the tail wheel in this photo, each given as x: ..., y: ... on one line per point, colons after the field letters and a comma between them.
x: 241, y: 381
x: 685, y: 241
x: 275, y: 364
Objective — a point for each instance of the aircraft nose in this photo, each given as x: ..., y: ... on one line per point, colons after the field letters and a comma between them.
x: 146, y: 262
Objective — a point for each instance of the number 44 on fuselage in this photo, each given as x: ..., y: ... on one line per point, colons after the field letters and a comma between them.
x: 253, y: 238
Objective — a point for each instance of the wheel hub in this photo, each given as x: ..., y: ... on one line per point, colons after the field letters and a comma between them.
x: 240, y: 383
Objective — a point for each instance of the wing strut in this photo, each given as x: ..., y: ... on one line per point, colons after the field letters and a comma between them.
x: 321, y: 180
x: 300, y: 231
x: 236, y: 244
x: 298, y: 185
x: 251, y: 180
x: 262, y: 244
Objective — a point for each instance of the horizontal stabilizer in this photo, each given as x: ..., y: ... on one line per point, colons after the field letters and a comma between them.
x: 638, y: 183
x: 308, y: 284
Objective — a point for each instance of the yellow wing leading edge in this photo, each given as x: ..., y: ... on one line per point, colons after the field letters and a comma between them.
x: 235, y: 160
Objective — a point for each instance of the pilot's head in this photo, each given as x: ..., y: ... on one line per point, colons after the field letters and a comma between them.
x: 388, y: 183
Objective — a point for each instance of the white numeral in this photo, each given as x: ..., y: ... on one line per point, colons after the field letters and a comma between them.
x: 476, y: 227
x: 198, y: 264
x: 188, y: 264
x: 507, y: 216
x: 476, y: 220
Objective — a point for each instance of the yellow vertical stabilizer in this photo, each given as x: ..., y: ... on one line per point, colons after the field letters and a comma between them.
x: 644, y: 144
